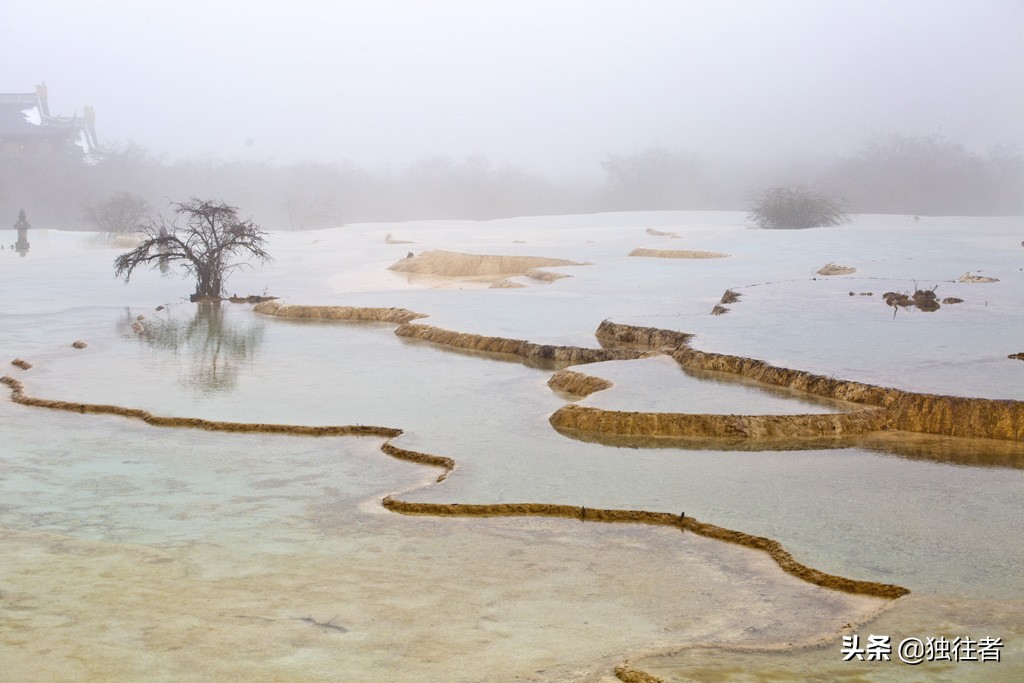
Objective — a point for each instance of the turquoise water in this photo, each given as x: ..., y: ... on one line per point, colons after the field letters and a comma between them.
x: 931, y: 526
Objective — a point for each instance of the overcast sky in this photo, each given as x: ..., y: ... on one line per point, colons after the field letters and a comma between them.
x: 552, y: 85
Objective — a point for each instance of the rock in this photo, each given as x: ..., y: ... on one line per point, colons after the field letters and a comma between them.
x: 731, y: 297
x: 967, y: 277
x: 833, y: 269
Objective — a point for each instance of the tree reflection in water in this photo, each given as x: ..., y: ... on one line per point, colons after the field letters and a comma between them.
x: 216, y: 342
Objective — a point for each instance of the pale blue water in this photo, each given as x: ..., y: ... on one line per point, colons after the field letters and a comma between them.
x: 931, y: 526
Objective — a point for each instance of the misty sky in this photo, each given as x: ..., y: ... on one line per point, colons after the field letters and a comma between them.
x: 552, y: 85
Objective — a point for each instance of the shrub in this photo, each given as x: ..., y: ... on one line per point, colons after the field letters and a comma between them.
x: 795, y: 207
x: 119, y: 215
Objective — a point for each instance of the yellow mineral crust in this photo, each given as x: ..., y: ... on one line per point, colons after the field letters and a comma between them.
x: 18, y: 395
x: 455, y: 264
x: 505, y: 283
x: 387, y: 315
x: 835, y: 269
x: 621, y: 423
x: 682, y: 522
x: 903, y: 410
x: 577, y: 383
x: 522, y: 348
x: 616, y: 334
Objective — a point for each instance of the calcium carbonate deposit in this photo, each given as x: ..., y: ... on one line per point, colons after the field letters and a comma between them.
x: 370, y: 478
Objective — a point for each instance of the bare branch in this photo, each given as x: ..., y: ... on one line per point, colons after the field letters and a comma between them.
x: 213, y: 243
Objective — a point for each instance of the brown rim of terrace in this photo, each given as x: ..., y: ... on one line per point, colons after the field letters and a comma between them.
x: 772, y: 547
x: 890, y: 409
x: 881, y: 409
x: 877, y: 409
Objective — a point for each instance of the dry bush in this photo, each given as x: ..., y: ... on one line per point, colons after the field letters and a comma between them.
x: 795, y: 207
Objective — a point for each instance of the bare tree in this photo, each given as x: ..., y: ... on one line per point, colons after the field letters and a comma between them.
x: 213, y: 242
x: 795, y: 207
x: 119, y: 215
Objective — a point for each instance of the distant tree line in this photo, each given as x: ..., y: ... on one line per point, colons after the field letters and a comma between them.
x: 929, y: 174
x: 658, y: 179
x: 924, y: 175
x: 66, y: 193
x: 902, y: 174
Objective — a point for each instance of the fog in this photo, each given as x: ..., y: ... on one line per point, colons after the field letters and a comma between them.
x: 551, y: 86
x: 317, y: 114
